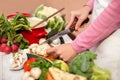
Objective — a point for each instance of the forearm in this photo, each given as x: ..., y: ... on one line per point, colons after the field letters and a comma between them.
x: 103, y: 26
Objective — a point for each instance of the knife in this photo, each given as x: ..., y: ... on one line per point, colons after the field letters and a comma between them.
x: 66, y: 31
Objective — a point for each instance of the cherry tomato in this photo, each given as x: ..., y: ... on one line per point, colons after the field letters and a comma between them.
x: 27, y: 64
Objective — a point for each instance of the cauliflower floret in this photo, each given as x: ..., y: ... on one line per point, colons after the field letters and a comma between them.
x: 33, y: 47
x: 41, y: 49
x: 42, y: 40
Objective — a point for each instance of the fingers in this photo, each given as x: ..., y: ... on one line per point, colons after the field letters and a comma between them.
x: 71, y: 21
x: 52, y: 52
x: 79, y: 22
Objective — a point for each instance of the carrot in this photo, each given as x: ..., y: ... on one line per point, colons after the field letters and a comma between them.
x: 49, y: 76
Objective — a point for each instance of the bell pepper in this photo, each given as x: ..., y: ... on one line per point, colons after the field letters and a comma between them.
x: 34, y: 35
x: 27, y: 64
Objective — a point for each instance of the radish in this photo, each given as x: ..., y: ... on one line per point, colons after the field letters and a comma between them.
x: 0, y: 48
x: 4, y: 40
x: 14, y: 48
x: 16, y: 43
x: 7, y: 49
x: 3, y: 45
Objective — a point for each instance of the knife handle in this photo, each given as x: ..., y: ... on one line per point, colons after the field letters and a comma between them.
x: 72, y: 27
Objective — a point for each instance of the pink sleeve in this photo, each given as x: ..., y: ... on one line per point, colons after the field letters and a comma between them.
x: 90, y: 3
x: 106, y: 23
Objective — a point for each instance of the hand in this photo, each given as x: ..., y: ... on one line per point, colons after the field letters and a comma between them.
x: 64, y: 51
x: 81, y: 14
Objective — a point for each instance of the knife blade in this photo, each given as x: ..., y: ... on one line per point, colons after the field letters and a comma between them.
x: 66, y: 31
x: 60, y: 34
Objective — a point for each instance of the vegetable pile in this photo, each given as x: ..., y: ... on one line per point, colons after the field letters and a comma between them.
x: 84, y: 65
x: 10, y: 37
x: 42, y: 65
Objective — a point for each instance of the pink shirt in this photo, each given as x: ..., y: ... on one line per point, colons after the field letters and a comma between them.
x: 106, y: 23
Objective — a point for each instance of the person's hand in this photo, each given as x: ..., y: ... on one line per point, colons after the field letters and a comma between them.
x: 64, y: 51
x: 81, y: 14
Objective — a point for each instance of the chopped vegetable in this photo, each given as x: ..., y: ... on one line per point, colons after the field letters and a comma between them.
x: 18, y: 61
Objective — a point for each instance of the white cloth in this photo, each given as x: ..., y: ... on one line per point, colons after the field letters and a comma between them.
x: 108, y: 51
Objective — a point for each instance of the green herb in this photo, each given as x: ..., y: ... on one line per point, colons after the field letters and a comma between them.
x: 43, y: 64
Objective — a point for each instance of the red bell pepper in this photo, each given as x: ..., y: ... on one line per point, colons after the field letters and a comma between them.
x: 27, y: 64
x: 34, y: 35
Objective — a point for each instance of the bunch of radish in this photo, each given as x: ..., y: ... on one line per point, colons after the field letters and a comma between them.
x: 11, y: 38
x: 5, y: 47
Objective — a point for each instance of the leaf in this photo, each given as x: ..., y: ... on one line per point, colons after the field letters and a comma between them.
x: 40, y: 8
x: 42, y: 16
x: 85, y: 64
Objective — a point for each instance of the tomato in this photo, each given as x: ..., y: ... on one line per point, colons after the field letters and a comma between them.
x: 27, y: 64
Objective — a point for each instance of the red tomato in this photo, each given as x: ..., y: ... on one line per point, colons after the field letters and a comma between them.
x: 27, y: 64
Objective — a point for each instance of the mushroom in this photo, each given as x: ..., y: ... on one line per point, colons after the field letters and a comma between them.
x: 35, y: 72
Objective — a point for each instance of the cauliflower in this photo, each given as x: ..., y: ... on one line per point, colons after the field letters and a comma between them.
x: 44, y: 11
x: 39, y: 49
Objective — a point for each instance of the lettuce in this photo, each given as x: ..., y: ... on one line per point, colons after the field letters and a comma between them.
x: 84, y: 65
